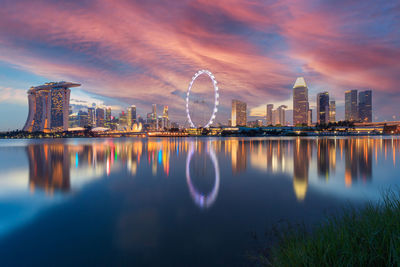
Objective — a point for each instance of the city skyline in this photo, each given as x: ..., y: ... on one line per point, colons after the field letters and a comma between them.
x: 254, y: 56
x: 49, y: 111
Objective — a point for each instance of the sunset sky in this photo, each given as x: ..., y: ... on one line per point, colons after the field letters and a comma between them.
x: 144, y: 52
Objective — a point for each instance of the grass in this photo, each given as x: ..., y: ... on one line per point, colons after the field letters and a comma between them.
x: 369, y: 236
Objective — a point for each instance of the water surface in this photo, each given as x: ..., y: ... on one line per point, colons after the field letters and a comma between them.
x: 175, y: 201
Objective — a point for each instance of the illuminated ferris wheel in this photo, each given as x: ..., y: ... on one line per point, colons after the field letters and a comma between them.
x: 195, y: 106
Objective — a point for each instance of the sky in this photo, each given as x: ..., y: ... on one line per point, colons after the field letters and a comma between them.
x: 144, y: 52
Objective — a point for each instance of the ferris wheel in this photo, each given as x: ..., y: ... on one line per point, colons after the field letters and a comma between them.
x: 195, y: 106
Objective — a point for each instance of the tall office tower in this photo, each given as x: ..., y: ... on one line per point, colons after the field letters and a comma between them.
x: 129, y: 118
x: 91, y: 117
x: 133, y: 112
x: 49, y: 107
x: 239, y: 113
x: 165, y: 112
x: 300, y: 101
x: 351, y: 110
x: 323, y: 107
x: 99, y: 117
x: 154, y: 113
x: 365, y: 106
x: 269, y: 116
x: 309, y: 117
x: 73, y: 120
x: 149, y: 118
x: 82, y: 118
x: 332, y: 111
x: 280, y: 115
x: 108, y: 115
x: 123, y: 119
x: 165, y: 119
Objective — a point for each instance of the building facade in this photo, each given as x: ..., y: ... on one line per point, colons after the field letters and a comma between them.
x: 279, y: 117
x: 323, y: 108
x: 91, y: 117
x: 332, y: 111
x: 49, y: 107
x: 269, y: 114
x: 239, y: 113
x: 309, y: 117
x: 154, y: 112
x: 351, y: 109
x: 165, y: 119
x: 100, y: 117
x: 83, y: 119
x: 300, y: 102
x: 365, y: 106
x: 133, y: 114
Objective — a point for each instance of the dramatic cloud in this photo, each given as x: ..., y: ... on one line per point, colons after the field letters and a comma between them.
x: 144, y: 52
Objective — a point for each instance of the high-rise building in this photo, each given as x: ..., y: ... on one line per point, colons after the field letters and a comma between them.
x: 123, y: 119
x: 108, y: 118
x: 154, y: 113
x: 91, y: 117
x: 73, y: 120
x: 108, y: 115
x: 365, y: 106
x: 351, y: 110
x: 269, y: 116
x: 239, y: 113
x: 323, y: 108
x: 133, y: 112
x: 129, y: 118
x: 279, y: 115
x: 99, y: 117
x: 82, y: 118
x: 165, y: 119
x: 332, y: 111
x: 49, y: 107
x: 300, y: 102
x: 149, y: 118
x: 165, y: 112
x: 309, y: 117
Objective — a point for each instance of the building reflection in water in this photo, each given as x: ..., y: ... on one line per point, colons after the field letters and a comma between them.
x: 295, y: 156
x: 202, y: 200
x: 302, y: 154
x: 359, y: 159
x: 49, y: 168
x: 238, y: 155
x: 59, y: 167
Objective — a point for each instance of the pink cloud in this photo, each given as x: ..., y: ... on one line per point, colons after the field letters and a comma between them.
x: 159, y: 46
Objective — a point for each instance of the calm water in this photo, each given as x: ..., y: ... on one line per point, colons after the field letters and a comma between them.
x: 184, y: 201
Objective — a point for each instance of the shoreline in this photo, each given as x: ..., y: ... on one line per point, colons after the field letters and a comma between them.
x: 6, y: 136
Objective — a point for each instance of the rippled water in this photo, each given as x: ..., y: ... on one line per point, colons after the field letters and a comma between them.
x: 175, y: 201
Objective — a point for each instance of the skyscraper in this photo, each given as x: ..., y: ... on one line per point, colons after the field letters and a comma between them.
x: 165, y: 118
x: 99, y: 117
x: 133, y: 112
x: 300, y: 101
x: 365, y: 106
x: 309, y: 117
x: 323, y: 107
x: 269, y: 116
x: 154, y: 113
x: 351, y: 110
x: 91, y: 117
x: 49, y: 107
x: 108, y: 118
x: 332, y: 111
x: 279, y: 115
x: 129, y: 118
x: 82, y: 118
x: 239, y: 113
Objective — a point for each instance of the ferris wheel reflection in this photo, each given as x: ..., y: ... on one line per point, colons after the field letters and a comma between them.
x: 201, y: 199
